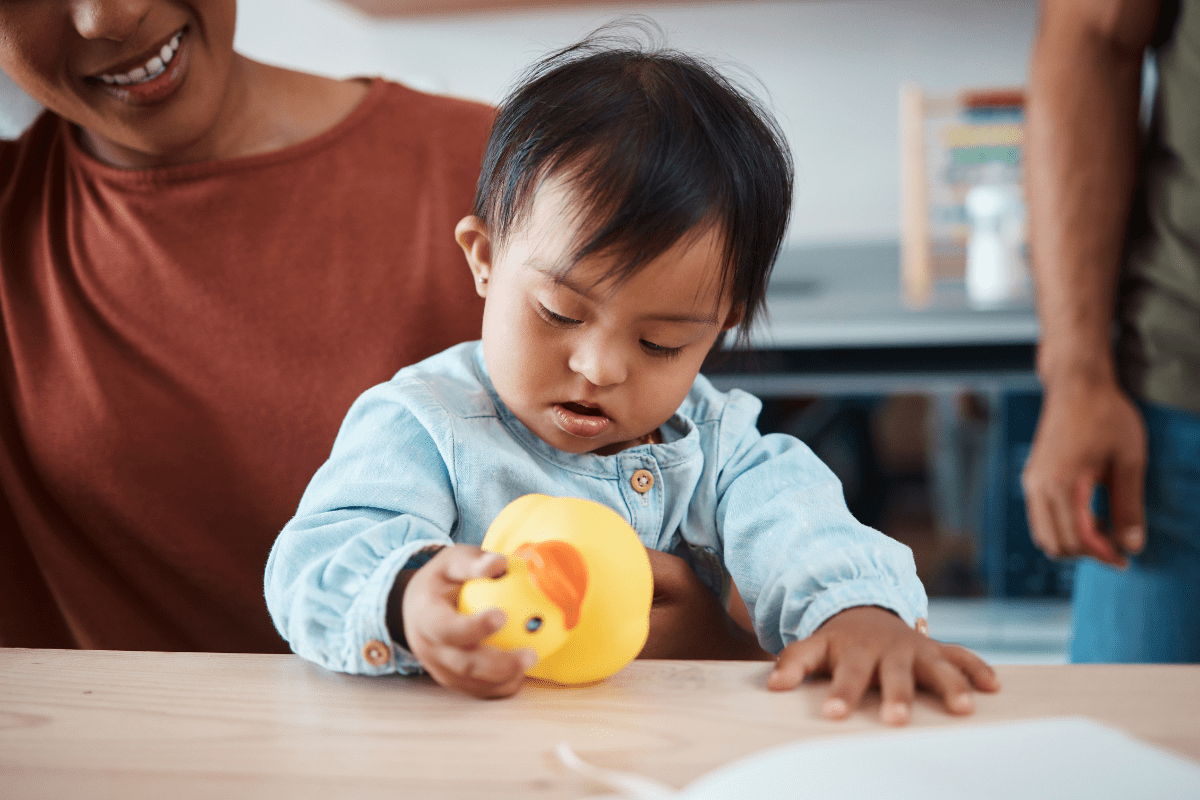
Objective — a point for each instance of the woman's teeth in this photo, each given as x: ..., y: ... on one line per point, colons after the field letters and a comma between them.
x: 151, y: 69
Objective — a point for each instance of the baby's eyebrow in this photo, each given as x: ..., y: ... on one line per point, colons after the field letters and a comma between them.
x: 560, y: 278
x: 708, y: 320
x: 566, y: 282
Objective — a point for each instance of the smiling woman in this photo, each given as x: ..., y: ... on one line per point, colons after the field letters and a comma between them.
x: 152, y: 83
x: 204, y: 260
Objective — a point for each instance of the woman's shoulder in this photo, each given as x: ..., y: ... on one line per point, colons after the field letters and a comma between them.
x: 402, y: 95
x: 432, y: 116
x: 400, y: 132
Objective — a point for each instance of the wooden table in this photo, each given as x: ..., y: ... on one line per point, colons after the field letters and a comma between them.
x: 180, y: 725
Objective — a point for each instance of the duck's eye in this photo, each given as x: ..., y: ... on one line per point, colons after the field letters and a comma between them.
x: 533, y: 623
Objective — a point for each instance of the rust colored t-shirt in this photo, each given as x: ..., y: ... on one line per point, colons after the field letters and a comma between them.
x: 179, y: 346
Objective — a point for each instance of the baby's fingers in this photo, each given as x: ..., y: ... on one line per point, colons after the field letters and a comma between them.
x: 798, y: 660
x: 439, y: 629
x: 852, y: 675
x: 981, y: 675
x: 467, y: 631
x: 943, y: 677
x: 896, y: 687
x: 485, y: 671
x: 464, y: 563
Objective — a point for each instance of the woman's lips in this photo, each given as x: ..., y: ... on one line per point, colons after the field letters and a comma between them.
x: 576, y: 420
x: 152, y: 82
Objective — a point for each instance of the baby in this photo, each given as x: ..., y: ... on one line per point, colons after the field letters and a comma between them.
x: 631, y: 206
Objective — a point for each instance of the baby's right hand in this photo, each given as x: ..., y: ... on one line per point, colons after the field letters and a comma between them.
x: 448, y: 644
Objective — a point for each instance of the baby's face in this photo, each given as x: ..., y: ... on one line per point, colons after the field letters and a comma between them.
x: 593, y: 367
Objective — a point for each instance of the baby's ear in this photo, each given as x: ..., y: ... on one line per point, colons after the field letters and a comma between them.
x: 731, y: 321
x: 471, y: 233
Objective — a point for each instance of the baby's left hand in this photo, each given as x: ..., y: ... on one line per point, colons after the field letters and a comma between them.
x: 867, y: 646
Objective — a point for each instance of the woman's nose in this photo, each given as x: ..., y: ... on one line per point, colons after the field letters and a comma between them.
x: 117, y: 20
x: 599, y: 361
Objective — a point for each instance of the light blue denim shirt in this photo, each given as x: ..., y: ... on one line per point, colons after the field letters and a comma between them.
x: 432, y: 456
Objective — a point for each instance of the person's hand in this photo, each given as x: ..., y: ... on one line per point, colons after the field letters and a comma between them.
x: 866, y: 646
x: 448, y: 644
x: 687, y: 620
x: 1089, y: 433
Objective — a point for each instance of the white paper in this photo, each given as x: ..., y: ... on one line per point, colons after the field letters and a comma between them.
x: 1046, y: 759
x: 1050, y: 759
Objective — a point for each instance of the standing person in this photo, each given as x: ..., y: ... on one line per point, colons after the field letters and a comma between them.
x: 203, y: 261
x: 631, y: 207
x: 1115, y: 234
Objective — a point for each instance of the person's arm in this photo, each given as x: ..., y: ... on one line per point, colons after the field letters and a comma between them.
x: 688, y: 621
x: 1081, y: 160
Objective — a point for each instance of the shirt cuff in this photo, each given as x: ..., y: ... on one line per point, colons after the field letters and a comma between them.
x: 850, y: 594
x: 372, y: 651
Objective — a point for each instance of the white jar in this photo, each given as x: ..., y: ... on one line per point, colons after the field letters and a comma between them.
x: 997, y: 274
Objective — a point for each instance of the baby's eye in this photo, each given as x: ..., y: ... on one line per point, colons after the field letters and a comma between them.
x: 555, y: 319
x: 660, y: 351
x: 533, y: 624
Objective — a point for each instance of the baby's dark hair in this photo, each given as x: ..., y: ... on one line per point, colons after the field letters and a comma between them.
x: 654, y: 145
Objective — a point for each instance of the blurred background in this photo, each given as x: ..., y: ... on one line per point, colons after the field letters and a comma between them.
x: 923, y: 401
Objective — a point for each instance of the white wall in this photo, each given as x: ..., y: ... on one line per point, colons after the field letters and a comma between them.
x: 831, y: 68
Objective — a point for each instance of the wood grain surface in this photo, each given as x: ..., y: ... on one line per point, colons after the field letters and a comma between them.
x: 93, y: 724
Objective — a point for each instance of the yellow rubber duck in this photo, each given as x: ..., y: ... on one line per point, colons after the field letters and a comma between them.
x: 577, y: 590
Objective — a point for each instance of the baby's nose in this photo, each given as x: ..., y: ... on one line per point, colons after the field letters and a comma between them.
x: 599, y: 362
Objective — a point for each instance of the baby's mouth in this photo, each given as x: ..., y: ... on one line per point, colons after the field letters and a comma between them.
x: 581, y: 420
x: 587, y: 411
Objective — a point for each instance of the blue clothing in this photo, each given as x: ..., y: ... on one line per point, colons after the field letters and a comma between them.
x: 1150, y: 612
x: 432, y: 456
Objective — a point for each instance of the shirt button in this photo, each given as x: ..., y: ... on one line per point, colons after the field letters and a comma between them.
x: 376, y: 653
x: 642, y: 481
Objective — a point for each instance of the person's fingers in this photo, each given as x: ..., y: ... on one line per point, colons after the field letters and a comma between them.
x: 485, y: 665
x: 508, y: 688
x: 465, y: 631
x: 484, y: 672
x: 896, y: 686
x: 434, y: 621
x: 978, y: 672
x: 852, y: 673
x: 463, y: 564
x: 942, y: 677
x: 1091, y: 541
x: 797, y: 661
x: 1061, y: 507
x: 1041, y: 524
x: 1125, y: 499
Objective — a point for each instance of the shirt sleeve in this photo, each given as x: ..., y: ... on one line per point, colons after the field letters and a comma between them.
x: 794, y: 550
x: 383, y: 502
